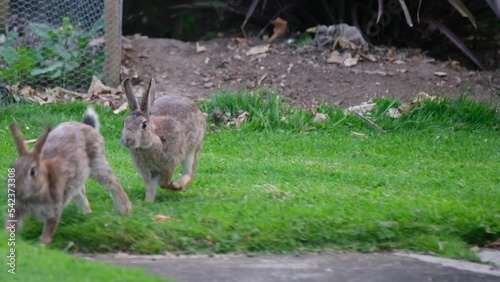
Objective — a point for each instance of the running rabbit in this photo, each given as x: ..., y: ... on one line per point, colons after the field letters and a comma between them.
x: 55, y: 171
x: 162, y: 135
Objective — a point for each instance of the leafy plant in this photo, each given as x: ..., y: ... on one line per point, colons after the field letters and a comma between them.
x: 65, y: 52
x: 65, y: 57
x: 18, y: 62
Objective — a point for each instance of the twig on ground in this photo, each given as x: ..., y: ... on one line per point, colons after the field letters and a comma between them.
x: 30, y: 141
x: 120, y: 109
x: 371, y: 123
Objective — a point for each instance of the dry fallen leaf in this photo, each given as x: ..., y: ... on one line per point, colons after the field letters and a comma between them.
x: 160, y: 217
x: 335, y: 58
x: 120, y: 109
x: 453, y: 64
x: 28, y: 91
x: 360, y: 109
x: 319, y: 117
x: 200, y: 49
x: 349, y: 62
x: 311, y: 29
x: 405, y: 107
x: 241, y: 119
x: 280, y: 28
x: 394, y: 113
x: 368, y: 57
x: 258, y: 50
x: 345, y: 44
x: 421, y: 97
x: 241, y: 40
x: 357, y: 134
x: 97, y: 87
x: 416, y: 58
x: 440, y: 73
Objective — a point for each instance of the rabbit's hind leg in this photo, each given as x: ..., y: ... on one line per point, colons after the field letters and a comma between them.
x: 102, y: 173
x: 188, y: 170
x: 166, y: 180
x: 81, y: 201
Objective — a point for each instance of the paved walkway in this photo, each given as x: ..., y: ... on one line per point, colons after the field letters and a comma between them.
x: 342, y: 267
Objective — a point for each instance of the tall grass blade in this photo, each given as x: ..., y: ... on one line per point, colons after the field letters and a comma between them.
x: 380, y: 9
x: 495, y: 6
x: 250, y: 12
x: 454, y: 39
x: 406, y: 12
x: 418, y: 10
x: 462, y: 9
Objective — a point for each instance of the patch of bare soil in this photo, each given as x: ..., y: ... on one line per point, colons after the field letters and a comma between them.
x: 302, y: 74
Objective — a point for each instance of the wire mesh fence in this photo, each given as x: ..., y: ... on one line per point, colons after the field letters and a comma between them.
x: 60, y: 43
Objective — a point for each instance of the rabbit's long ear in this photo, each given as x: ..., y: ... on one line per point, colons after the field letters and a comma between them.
x: 131, y: 99
x: 40, y: 143
x: 19, y: 140
x: 149, y: 97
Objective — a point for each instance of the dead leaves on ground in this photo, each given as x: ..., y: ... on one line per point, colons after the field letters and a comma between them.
x: 280, y: 29
x: 228, y: 120
x: 407, y: 107
x: 160, y: 217
x: 200, y: 48
x: 98, y: 93
x: 256, y: 50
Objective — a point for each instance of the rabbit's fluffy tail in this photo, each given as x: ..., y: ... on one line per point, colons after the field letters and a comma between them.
x: 91, y: 118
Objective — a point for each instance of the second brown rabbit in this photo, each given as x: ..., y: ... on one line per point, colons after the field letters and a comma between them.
x: 162, y: 134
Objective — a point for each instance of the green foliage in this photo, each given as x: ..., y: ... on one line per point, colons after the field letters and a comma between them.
x: 461, y: 113
x: 65, y: 58
x: 19, y: 62
x: 302, y: 41
x: 267, y: 111
x: 265, y: 107
x: 273, y: 186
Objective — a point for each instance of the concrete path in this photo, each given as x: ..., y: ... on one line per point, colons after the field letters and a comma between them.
x: 331, y: 267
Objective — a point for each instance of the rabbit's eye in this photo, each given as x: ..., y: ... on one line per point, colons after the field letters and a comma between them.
x: 144, y: 124
x: 32, y: 171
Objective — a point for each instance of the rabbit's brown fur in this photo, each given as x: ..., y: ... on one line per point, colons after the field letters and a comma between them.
x: 55, y: 172
x: 162, y: 135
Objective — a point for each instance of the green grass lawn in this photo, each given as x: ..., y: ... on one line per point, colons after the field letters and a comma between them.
x: 283, y: 184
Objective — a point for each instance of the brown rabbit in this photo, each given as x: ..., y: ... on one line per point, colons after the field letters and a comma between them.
x: 55, y: 171
x: 162, y: 135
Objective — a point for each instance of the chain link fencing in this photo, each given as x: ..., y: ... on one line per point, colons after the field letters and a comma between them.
x: 60, y: 43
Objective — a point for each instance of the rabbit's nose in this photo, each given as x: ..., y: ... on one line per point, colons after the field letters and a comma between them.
x: 127, y: 141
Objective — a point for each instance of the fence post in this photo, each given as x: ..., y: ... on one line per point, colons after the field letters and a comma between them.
x: 4, y: 14
x: 112, y: 46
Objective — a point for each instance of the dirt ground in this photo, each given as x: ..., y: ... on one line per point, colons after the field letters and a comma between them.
x: 302, y: 74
